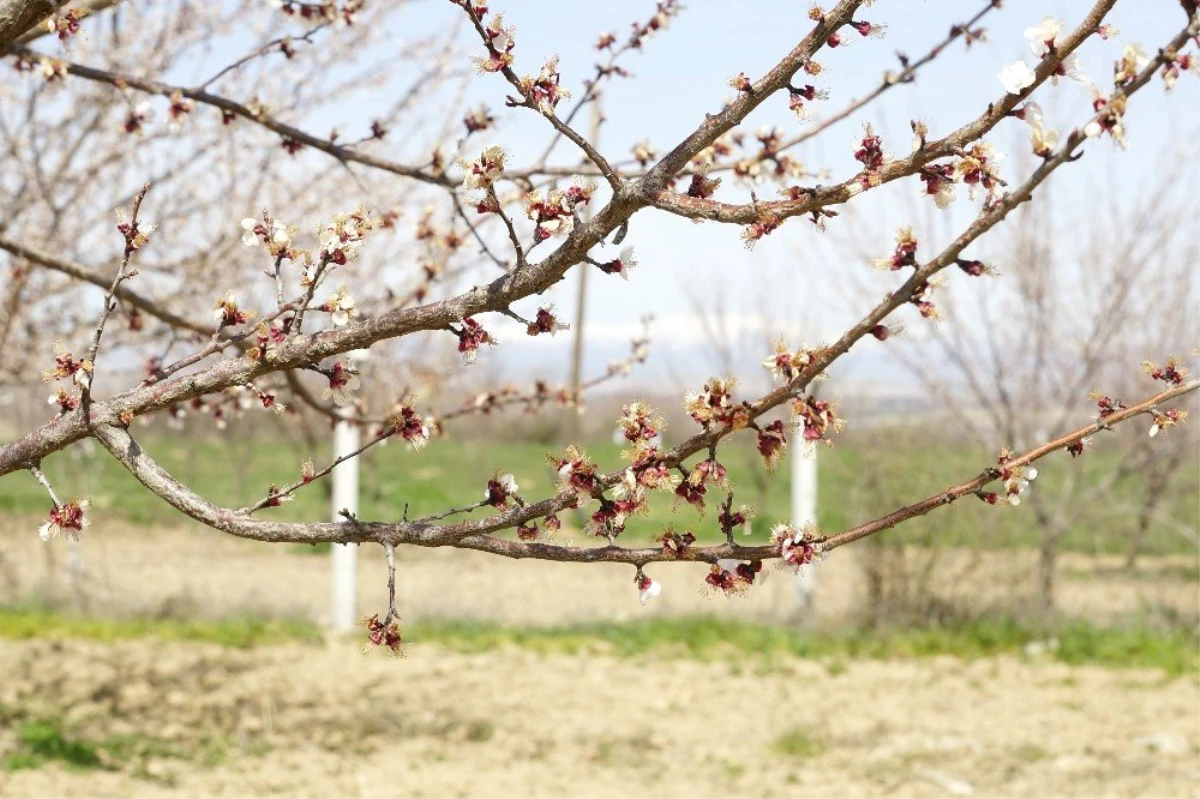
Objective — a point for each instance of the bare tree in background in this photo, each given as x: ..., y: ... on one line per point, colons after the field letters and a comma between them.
x: 1014, y: 364
x: 284, y: 302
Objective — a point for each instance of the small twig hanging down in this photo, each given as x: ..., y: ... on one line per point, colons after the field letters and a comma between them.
x: 387, y: 632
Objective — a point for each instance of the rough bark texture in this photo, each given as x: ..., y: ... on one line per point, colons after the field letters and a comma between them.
x: 18, y: 16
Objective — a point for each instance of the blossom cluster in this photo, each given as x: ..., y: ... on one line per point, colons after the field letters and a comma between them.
x: 500, y: 489
x: 275, y: 235
x: 816, y: 419
x: 341, y: 239
x: 713, y: 405
x: 1016, y: 480
x: 577, y: 474
x: 786, y: 365
x: 904, y: 255
x: 732, y: 577
x: 405, y: 422
x: 66, y: 24
x: 1170, y: 372
x: 384, y: 635
x: 68, y: 519
x: 797, y: 548
x: 545, y: 321
x: 499, y: 41
x: 67, y: 365
x: 227, y: 312
x: 342, y: 381
x: 545, y: 91
x: 231, y: 402
x: 472, y: 336
x: 1165, y: 420
x: 554, y: 213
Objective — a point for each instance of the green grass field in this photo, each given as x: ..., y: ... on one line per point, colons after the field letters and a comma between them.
x: 237, y: 632
x: 863, y: 476
x: 1136, y: 644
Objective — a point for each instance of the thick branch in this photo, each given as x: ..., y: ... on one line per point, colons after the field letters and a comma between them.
x: 779, y: 77
x: 499, y: 294
x: 474, y: 534
x: 119, y: 443
x: 87, y: 7
x: 304, y: 350
x: 19, y: 16
x: 496, y: 296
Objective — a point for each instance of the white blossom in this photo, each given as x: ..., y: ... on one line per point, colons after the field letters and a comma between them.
x: 625, y: 261
x: 653, y: 588
x: 486, y: 170
x: 1044, y: 32
x: 1016, y: 77
x: 342, y: 395
x: 249, y: 236
x: 340, y: 305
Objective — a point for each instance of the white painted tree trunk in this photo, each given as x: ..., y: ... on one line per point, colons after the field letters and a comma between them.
x: 345, y: 556
x: 804, y: 510
x: 85, y: 459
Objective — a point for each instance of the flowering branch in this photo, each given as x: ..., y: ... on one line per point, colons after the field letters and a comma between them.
x: 807, y: 201
x: 545, y: 105
x: 275, y: 496
x: 477, y: 534
x: 136, y: 235
x: 292, y: 136
x: 19, y: 16
x: 690, y: 471
x: 906, y: 75
x: 65, y: 517
x: 1066, y: 442
x: 663, y: 13
x: 502, y: 292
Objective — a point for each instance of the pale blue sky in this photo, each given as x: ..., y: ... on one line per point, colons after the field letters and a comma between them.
x: 682, y: 74
x: 793, y: 276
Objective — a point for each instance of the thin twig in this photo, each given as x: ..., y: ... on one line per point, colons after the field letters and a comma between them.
x: 389, y: 553
x: 271, y: 499
x: 41, y: 478
x: 132, y: 243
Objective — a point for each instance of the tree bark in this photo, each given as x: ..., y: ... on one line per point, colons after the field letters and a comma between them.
x: 18, y: 16
x: 1052, y: 529
x: 1047, y: 566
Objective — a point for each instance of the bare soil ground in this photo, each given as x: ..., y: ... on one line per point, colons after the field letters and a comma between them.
x: 327, y: 721
x: 296, y: 720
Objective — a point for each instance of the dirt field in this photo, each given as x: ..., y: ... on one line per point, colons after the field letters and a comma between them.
x: 326, y: 721
x: 296, y: 720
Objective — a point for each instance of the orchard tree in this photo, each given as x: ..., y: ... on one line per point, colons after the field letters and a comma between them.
x: 1045, y: 338
x: 95, y: 102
